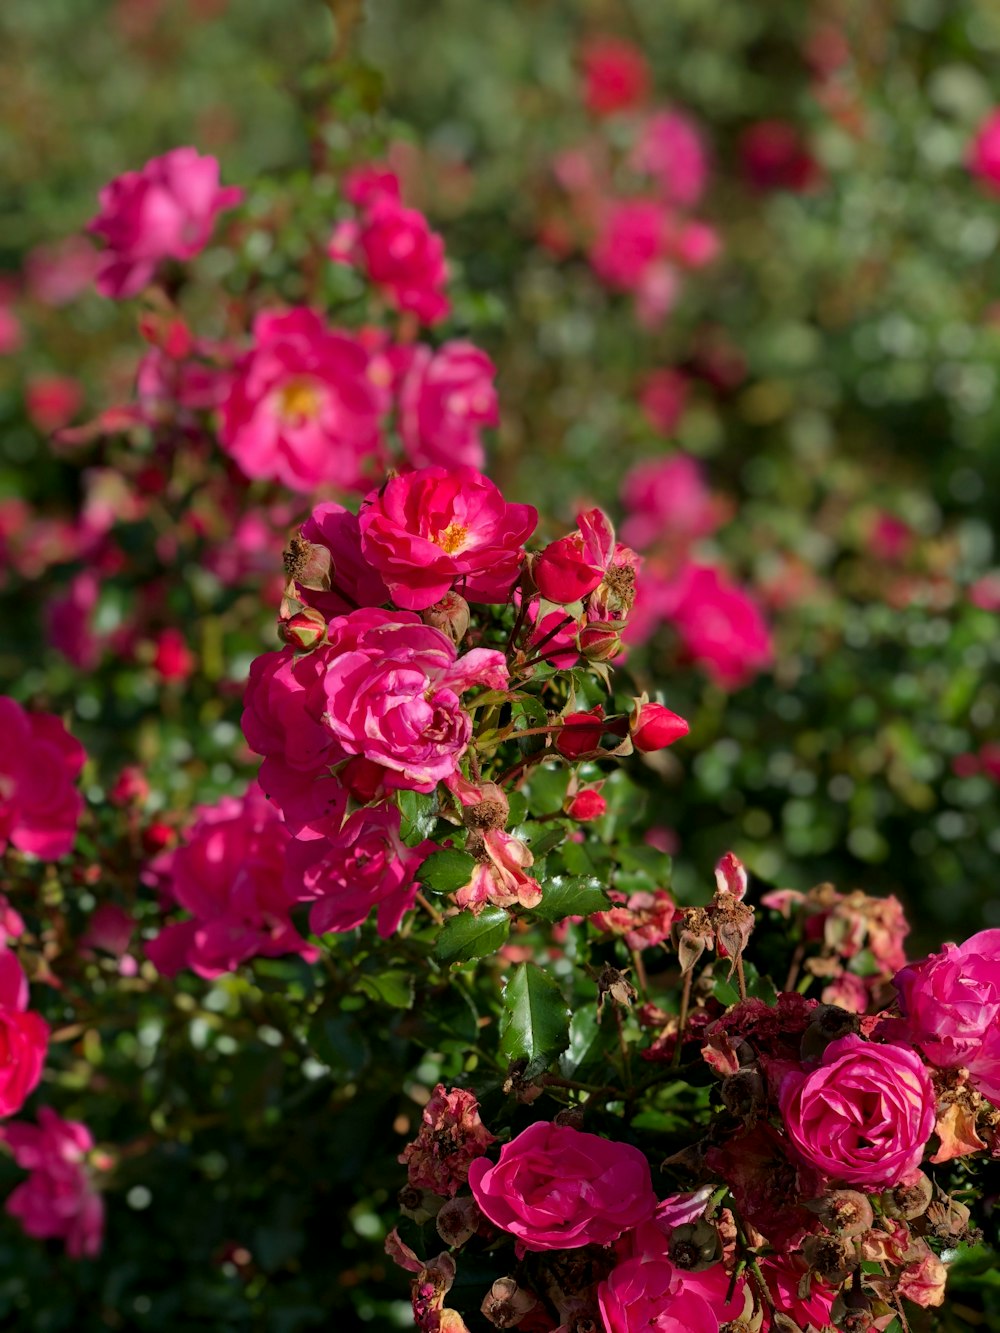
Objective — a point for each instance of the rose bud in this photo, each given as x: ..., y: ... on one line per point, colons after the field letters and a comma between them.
x: 731, y: 876
x: 586, y: 805
x: 450, y: 615
x: 131, y: 787
x: 600, y: 641
x: 304, y: 630
x: 581, y: 733
x: 654, y: 727
x: 570, y: 568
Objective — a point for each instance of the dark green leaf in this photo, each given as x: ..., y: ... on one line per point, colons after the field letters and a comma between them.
x: 419, y: 815
x: 590, y: 1041
x: 338, y: 1040
x: 465, y: 936
x: 534, y: 1023
x: 392, y: 988
x: 571, y: 895
x: 446, y: 870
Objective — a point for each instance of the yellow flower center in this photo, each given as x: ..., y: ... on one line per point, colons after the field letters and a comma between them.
x: 299, y: 400
x: 452, y: 538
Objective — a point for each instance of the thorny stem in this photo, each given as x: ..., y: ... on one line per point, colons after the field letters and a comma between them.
x: 682, y: 1018
x: 435, y: 915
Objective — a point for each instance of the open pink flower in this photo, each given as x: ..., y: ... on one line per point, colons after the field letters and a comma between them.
x: 668, y: 503
x: 557, y: 1188
x: 570, y: 568
x: 501, y: 875
x: 719, y: 624
x: 303, y: 409
x: 40, y: 761
x: 630, y: 239
x: 951, y: 1004
x: 360, y: 865
x: 615, y: 73
x: 399, y: 252
x: 670, y: 149
x: 165, y: 211
x: 651, y: 1293
x: 58, y: 1200
x: 229, y: 874
x: 24, y: 1037
x: 446, y: 397
x: 864, y: 1115
x: 430, y: 530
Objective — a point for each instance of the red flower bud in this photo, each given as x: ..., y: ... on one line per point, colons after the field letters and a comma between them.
x: 600, y: 641
x: 304, y: 630
x: 131, y: 787
x: 173, y: 659
x: 654, y: 727
x: 581, y: 733
x: 586, y: 805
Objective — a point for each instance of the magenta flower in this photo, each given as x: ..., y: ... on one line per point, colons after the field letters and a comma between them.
x: 428, y: 531
x: 229, y: 874
x: 58, y: 1200
x: 616, y: 75
x: 24, y: 1037
x: 651, y: 1293
x: 668, y: 502
x: 951, y: 1004
x: 165, y: 211
x: 556, y: 1188
x: 303, y: 408
x: 984, y: 152
x: 864, y: 1115
x: 40, y: 761
x: 570, y: 568
x: 446, y: 397
x: 719, y: 624
x: 670, y: 150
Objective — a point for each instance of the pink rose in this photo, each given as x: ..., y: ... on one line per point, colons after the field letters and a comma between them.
x: 570, y: 568
x: 653, y: 1294
x: 501, y: 875
x: 951, y: 1005
x: 719, y: 624
x: 58, y: 1200
x: 556, y: 1188
x: 356, y: 867
x: 397, y: 249
x: 229, y: 874
x: 393, y: 691
x: 303, y: 409
x: 668, y: 503
x: 615, y: 73
x: 40, y: 761
x: 165, y: 211
x: 984, y: 152
x: 353, y: 582
x: 864, y: 1115
x: 630, y: 239
x: 670, y: 149
x: 446, y: 397
x: 428, y: 530
x: 24, y: 1037
x: 774, y: 156
x: 662, y: 396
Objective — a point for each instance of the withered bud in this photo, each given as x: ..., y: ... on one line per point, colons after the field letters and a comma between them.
x: 420, y: 1205
x: 458, y: 1221
x: 829, y: 1022
x: 844, y: 1212
x: 948, y: 1220
x: 908, y: 1200
x: 487, y: 814
x: 304, y: 630
x: 733, y: 922
x: 450, y: 615
x: 784, y: 1323
x: 692, y: 935
x: 832, y: 1258
x: 694, y: 1246
x: 525, y: 1090
x: 617, y: 985
x: 743, y: 1094
x: 308, y: 564
x: 852, y: 1312
x: 617, y: 592
x: 505, y: 1304
x: 571, y: 1117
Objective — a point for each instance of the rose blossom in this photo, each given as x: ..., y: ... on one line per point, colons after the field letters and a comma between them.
x: 40, y: 761
x: 575, y: 565
x: 446, y: 396
x: 864, y: 1115
x: 669, y: 149
x: 668, y: 502
x: 616, y: 75
x: 228, y: 873
x: 24, y: 1037
x: 57, y: 1200
x: 556, y: 1188
x: 352, y: 580
x: 165, y: 211
x: 718, y: 623
x: 451, y: 1137
x: 984, y: 152
x: 951, y: 1006
x: 303, y: 409
x: 428, y: 530
x: 653, y: 1294
x: 356, y: 867
x: 630, y: 238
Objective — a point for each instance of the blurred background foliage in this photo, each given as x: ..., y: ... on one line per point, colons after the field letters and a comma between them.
x: 855, y: 337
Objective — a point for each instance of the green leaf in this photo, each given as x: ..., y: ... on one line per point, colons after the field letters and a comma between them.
x: 392, y: 988
x: 446, y: 870
x: 591, y: 1041
x: 419, y: 815
x: 546, y: 790
x: 571, y: 895
x: 725, y: 991
x: 338, y: 1040
x: 534, y: 1022
x: 465, y: 936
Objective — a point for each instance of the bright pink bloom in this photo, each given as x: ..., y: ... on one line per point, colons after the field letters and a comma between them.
x: 58, y: 1200
x: 653, y: 1294
x: 303, y: 409
x: 430, y: 530
x: 774, y: 156
x: 40, y: 761
x: 864, y: 1115
x: 393, y: 691
x: 451, y: 1137
x: 784, y: 1276
x: 356, y: 867
x: 889, y: 538
x: 400, y: 254
x: 229, y: 874
x: 662, y: 397
x: 616, y: 75
x: 52, y: 401
x: 654, y: 727
x: 630, y: 239
x: 165, y: 211
x: 353, y: 582
x: 446, y: 397
x: 719, y: 624
x: 364, y: 184
x: 172, y: 659
x: 556, y: 1188
x: 951, y: 1004
x: 24, y: 1037
x: 670, y: 149
x: 984, y: 152
x: 575, y: 565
